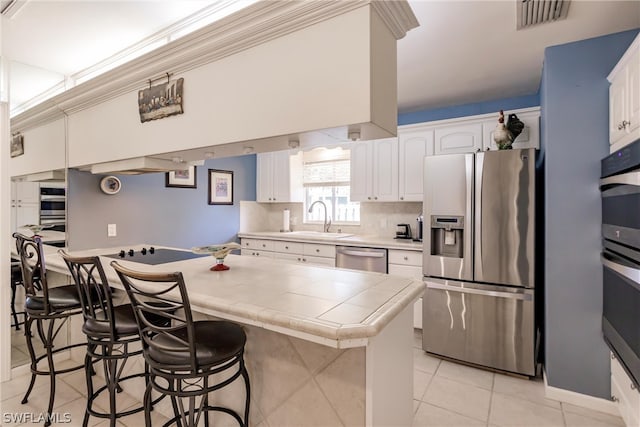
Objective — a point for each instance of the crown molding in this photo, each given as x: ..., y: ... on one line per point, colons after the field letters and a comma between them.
x: 397, y: 15
x: 249, y: 27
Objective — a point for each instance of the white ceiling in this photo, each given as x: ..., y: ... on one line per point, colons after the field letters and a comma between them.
x: 463, y: 51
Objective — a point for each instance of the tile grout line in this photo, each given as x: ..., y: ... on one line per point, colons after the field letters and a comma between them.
x: 493, y: 384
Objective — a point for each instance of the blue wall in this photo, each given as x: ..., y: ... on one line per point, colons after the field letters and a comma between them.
x: 574, y: 99
x: 469, y: 109
x: 145, y: 211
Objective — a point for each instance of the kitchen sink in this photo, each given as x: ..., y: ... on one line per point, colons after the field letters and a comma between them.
x: 318, y: 234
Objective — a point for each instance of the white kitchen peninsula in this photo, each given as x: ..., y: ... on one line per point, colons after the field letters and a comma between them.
x: 324, y: 346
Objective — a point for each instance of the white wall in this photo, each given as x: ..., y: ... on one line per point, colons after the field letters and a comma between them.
x: 318, y: 77
x: 44, y: 150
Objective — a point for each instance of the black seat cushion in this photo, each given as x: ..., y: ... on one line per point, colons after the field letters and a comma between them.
x: 216, y: 342
x: 123, y: 317
x: 61, y: 298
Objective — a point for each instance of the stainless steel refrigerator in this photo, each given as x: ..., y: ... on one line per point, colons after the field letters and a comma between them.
x: 479, y: 263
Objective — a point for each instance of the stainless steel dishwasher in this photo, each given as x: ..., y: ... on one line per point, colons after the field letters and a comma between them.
x: 365, y: 259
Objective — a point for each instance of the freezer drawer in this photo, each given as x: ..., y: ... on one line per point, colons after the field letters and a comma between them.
x: 488, y: 325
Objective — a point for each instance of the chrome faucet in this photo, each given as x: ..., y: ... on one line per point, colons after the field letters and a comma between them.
x: 326, y: 224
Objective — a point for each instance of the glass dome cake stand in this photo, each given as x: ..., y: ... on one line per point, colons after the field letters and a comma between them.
x: 219, y: 252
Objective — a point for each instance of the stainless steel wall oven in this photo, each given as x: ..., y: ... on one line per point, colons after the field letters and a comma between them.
x: 620, y: 189
x: 53, y: 202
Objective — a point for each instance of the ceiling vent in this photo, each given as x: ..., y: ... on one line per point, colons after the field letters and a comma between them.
x: 534, y: 12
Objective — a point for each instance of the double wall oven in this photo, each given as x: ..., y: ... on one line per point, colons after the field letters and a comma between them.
x: 620, y: 189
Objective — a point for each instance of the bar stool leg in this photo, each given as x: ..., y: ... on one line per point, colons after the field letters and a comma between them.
x: 13, y: 305
x: 245, y: 376
x: 88, y: 368
x: 32, y: 355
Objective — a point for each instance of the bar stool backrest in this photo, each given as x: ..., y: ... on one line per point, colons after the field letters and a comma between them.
x: 34, y: 275
x: 93, y: 289
x: 148, y: 293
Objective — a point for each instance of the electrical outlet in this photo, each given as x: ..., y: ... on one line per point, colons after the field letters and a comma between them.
x: 111, y: 230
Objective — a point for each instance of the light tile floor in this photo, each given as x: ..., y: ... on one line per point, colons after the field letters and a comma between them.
x: 445, y: 394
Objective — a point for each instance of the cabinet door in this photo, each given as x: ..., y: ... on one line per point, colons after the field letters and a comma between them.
x: 27, y: 213
x: 385, y: 170
x: 528, y: 138
x: 413, y: 146
x: 617, y: 104
x: 264, y: 177
x: 360, y: 172
x: 460, y: 138
x: 281, y: 179
x: 633, y: 93
x: 28, y: 192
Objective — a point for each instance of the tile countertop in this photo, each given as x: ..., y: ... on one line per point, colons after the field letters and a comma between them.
x: 334, y: 307
x: 349, y: 240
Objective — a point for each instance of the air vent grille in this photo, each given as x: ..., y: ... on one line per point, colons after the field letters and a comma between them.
x: 534, y: 12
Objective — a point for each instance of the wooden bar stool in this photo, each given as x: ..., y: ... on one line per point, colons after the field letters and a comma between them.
x: 184, y: 356
x: 49, y: 309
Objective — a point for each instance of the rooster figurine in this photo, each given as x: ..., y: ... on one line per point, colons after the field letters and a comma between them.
x: 501, y: 134
x: 504, y: 135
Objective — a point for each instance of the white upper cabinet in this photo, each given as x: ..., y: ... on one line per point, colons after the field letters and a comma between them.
x: 374, y: 170
x: 624, y: 98
x: 25, y: 203
x: 413, y: 145
x: 458, y: 138
x: 528, y: 138
x: 279, y: 177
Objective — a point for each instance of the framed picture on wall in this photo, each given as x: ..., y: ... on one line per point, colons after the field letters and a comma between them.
x: 182, y: 178
x: 17, y: 145
x: 220, y: 187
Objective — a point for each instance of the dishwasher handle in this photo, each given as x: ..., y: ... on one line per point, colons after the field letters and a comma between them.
x: 353, y: 252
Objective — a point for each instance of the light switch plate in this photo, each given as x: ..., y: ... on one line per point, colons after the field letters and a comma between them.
x: 111, y: 230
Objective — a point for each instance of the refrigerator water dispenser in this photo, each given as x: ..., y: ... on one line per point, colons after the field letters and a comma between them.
x: 447, y: 236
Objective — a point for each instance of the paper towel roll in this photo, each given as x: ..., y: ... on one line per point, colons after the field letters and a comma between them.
x: 285, y: 220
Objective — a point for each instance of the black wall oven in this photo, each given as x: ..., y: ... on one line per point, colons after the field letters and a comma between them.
x: 620, y: 189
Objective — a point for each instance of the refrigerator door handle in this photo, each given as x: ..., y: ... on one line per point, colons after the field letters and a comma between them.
x: 478, y: 273
x: 509, y: 295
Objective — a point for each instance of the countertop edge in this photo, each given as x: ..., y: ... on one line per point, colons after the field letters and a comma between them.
x: 368, y: 241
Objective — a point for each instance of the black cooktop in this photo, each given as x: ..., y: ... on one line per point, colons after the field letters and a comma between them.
x: 153, y: 256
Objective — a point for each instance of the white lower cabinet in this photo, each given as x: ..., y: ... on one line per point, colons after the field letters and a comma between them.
x: 408, y: 264
x: 624, y: 394
x: 253, y: 252
x: 304, y: 253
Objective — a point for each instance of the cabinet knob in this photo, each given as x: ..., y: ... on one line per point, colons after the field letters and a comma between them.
x: 257, y: 253
x: 401, y: 198
x: 304, y: 260
x: 264, y: 246
x: 369, y: 198
x: 274, y: 199
x: 625, y: 123
x: 299, y: 259
x: 620, y: 126
x: 286, y: 247
x: 406, y: 258
x: 614, y: 398
x: 318, y: 250
x: 375, y: 198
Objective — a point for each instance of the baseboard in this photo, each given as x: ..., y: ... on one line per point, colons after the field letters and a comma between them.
x: 579, y: 399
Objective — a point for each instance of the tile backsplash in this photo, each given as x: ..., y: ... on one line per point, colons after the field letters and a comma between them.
x: 376, y: 219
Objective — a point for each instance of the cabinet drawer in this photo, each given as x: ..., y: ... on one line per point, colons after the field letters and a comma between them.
x: 405, y: 271
x: 405, y: 257
x: 628, y: 396
x: 264, y: 245
x: 253, y: 252
x: 287, y: 257
x: 328, y: 251
x: 331, y: 262
x: 288, y: 247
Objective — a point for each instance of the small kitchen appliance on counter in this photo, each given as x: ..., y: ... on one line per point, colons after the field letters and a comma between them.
x: 403, y: 231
